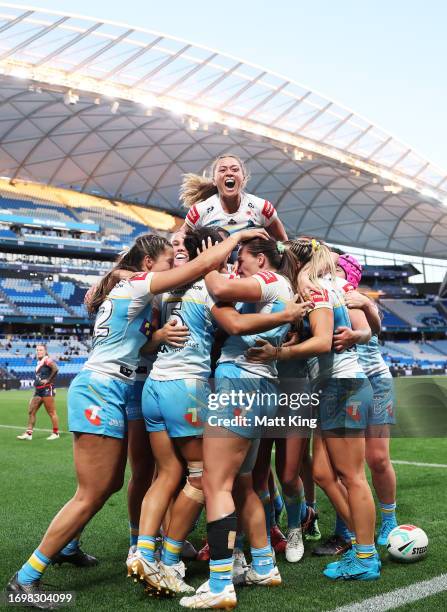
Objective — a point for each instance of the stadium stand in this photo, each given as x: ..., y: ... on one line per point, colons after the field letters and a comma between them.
x: 118, y: 222
x: 439, y: 345
x: 416, y: 351
x: 72, y: 296
x: 38, y: 298
x: 390, y: 320
x: 416, y: 312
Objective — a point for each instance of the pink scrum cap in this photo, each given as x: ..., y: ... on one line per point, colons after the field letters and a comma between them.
x: 352, y: 269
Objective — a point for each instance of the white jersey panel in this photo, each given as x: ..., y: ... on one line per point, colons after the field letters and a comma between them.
x: 122, y: 327
x: 190, y: 306
x: 252, y: 212
x: 371, y: 358
x: 334, y: 365
x: 369, y: 355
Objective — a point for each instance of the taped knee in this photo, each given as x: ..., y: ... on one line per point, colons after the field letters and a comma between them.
x: 193, y: 493
x: 195, y: 469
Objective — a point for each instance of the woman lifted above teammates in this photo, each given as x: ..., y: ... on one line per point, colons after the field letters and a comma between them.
x: 221, y: 200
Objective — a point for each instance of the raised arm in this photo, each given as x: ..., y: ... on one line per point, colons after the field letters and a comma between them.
x: 209, y: 259
x: 276, y: 230
x: 355, y: 299
x: 234, y: 290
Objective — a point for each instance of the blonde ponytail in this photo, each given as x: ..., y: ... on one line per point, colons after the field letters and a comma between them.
x: 196, y: 188
x: 315, y: 258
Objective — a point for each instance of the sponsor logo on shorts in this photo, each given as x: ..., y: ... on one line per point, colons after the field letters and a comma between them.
x: 116, y: 423
x: 354, y: 412
x: 192, y: 417
x: 91, y: 414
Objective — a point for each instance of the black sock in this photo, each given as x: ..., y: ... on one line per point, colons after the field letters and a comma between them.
x: 221, y: 536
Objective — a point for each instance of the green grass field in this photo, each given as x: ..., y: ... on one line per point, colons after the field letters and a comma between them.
x: 38, y: 477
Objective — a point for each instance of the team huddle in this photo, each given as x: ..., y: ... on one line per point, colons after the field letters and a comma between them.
x: 192, y: 356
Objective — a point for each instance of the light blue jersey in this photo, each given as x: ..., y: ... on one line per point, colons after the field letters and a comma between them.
x: 276, y: 291
x: 122, y: 327
x: 333, y: 364
x: 371, y: 358
x: 190, y: 306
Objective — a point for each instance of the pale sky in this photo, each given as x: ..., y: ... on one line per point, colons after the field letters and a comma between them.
x: 384, y: 59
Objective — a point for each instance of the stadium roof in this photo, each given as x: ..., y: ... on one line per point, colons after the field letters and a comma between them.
x: 111, y: 109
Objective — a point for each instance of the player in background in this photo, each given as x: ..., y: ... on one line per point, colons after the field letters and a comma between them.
x: 345, y: 398
x: 98, y: 395
x: 229, y: 449
x: 381, y: 415
x: 220, y: 200
x: 44, y: 393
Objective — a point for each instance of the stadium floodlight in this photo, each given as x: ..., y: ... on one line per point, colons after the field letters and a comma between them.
x: 71, y: 98
x: 177, y: 107
x: 193, y: 124
x: 19, y: 72
x: 394, y: 189
x: 115, y: 106
x: 428, y: 193
x: 298, y: 155
x: 149, y: 100
x: 233, y: 123
x: 207, y: 115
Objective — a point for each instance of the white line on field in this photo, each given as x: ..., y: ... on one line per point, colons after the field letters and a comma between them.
x: 415, y: 463
x: 23, y: 428
x: 418, y: 464
x: 398, y: 597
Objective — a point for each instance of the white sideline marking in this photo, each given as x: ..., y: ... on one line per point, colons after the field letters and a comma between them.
x: 418, y: 464
x: 23, y: 428
x: 398, y: 597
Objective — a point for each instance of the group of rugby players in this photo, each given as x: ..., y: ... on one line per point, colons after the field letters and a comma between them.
x: 173, y: 319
